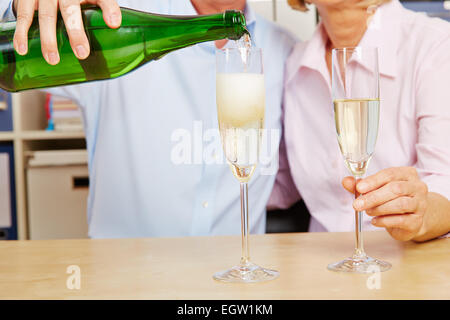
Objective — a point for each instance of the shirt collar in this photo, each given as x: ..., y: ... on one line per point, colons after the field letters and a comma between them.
x: 382, y: 32
x: 310, y: 54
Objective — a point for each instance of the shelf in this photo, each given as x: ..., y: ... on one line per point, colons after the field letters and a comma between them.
x: 51, y: 135
x: 29, y: 135
x: 40, y: 135
x: 6, y: 135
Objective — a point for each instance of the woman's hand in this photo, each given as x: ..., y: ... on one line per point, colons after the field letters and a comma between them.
x: 71, y: 13
x: 396, y: 198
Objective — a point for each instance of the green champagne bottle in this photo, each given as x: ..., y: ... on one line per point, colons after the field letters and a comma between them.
x: 142, y: 37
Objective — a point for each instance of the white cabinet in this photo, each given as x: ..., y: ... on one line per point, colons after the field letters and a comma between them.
x: 29, y: 135
x: 263, y: 8
x: 57, y: 188
x: 5, y: 192
x: 302, y: 24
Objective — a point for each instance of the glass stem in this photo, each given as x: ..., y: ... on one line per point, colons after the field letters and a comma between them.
x: 359, y: 247
x: 245, y: 257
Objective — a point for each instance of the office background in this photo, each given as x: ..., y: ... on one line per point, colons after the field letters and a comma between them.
x: 38, y: 166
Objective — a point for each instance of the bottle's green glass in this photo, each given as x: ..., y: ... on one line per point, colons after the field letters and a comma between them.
x: 142, y: 37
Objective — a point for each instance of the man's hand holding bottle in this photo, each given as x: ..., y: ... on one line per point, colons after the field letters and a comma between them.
x: 48, y: 13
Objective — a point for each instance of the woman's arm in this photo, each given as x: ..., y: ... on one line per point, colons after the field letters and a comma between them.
x: 437, y: 219
x: 399, y: 201
x: 284, y: 193
x: 412, y: 203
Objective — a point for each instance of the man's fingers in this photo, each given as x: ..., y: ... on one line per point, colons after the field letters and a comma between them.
x: 71, y: 13
x: 386, y: 193
x: 25, y: 13
x: 385, y: 176
x: 48, y: 11
x: 111, y: 12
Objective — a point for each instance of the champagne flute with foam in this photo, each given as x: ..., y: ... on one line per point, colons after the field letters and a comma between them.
x: 240, y: 101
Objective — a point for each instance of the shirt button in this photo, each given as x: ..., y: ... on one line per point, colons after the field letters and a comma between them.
x: 205, y: 204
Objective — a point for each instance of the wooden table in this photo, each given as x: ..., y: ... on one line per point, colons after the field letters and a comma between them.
x: 181, y: 268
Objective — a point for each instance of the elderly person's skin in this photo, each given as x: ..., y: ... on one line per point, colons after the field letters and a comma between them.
x: 71, y: 13
x: 396, y: 198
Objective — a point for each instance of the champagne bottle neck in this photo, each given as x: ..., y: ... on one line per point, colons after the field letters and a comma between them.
x: 177, y: 32
x: 235, y: 20
x: 230, y: 24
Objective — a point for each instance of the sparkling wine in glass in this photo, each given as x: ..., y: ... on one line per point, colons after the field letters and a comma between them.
x: 356, y: 97
x: 240, y: 95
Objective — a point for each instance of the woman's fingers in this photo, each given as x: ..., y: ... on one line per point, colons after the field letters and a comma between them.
x: 397, y: 199
x: 401, y: 234
x: 25, y: 13
x: 48, y: 11
x: 349, y: 184
x: 386, y: 193
x: 111, y: 12
x: 395, y: 206
x: 400, y: 226
x: 71, y: 13
x: 385, y: 176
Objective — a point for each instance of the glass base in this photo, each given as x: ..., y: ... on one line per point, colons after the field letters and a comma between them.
x: 363, y: 264
x: 246, y: 274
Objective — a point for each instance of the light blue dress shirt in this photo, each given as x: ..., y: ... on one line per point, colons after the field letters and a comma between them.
x: 155, y: 159
x: 6, y: 11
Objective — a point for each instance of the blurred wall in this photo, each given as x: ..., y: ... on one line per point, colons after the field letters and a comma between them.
x: 301, y: 24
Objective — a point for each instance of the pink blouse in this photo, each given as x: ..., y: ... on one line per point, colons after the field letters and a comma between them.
x: 414, y: 116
